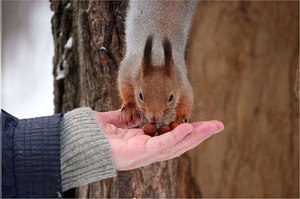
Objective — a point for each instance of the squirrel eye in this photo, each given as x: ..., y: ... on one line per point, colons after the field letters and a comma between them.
x: 170, y: 98
x: 141, y: 96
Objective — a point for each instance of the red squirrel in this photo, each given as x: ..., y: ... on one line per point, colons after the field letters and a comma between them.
x: 152, y: 78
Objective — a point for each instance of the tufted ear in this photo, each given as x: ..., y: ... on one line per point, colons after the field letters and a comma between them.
x: 169, y: 62
x: 146, y: 62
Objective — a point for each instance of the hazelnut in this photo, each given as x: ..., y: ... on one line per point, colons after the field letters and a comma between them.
x: 164, y: 129
x: 150, y: 129
x: 173, y: 125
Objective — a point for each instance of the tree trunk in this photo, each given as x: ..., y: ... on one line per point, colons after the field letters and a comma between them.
x: 89, y: 45
x: 245, y: 58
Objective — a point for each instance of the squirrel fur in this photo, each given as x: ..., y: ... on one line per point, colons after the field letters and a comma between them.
x: 152, y: 78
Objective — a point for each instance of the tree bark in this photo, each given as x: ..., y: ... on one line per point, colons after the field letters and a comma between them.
x: 89, y: 45
x: 245, y: 58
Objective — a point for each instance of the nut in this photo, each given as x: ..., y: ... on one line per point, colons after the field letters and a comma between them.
x: 164, y: 129
x: 150, y: 129
x: 173, y: 125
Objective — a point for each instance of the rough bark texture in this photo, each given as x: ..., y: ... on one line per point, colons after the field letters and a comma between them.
x: 245, y: 72
x: 90, y: 66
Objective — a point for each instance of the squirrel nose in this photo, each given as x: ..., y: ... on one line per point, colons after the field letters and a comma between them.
x: 155, y: 117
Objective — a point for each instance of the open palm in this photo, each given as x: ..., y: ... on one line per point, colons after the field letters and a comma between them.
x: 131, y: 148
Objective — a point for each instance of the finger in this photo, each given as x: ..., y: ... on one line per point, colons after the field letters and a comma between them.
x: 214, y: 126
x: 111, y: 129
x: 103, y: 118
x: 115, y: 118
x: 177, y: 151
x: 125, y: 134
x: 133, y: 123
x: 202, y: 131
x: 133, y: 133
x: 169, y: 139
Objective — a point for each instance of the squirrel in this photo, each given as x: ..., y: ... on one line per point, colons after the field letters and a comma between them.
x: 152, y: 77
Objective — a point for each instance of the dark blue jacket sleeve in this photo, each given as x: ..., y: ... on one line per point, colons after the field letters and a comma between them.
x: 31, y: 157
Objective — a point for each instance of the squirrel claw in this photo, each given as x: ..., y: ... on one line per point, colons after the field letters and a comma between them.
x: 181, y: 119
x: 130, y: 114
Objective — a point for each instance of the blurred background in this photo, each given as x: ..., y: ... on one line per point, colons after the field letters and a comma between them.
x: 244, y: 68
x: 27, y: 52
x: 244, y: 59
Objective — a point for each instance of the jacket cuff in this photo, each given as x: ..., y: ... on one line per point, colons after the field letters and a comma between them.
x: 85, y: 151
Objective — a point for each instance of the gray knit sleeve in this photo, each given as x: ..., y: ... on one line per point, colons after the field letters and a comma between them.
x: 85, y: 151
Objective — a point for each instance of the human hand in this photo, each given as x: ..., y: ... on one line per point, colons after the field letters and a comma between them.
x: 131, y: 148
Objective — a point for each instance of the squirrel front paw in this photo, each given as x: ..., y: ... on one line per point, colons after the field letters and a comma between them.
x: 181, y: 118
x: 184, y: 110
x: 130, y: 113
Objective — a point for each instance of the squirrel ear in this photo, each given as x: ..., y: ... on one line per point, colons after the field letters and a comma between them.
x: 169, y: 62
x: 146, y: 62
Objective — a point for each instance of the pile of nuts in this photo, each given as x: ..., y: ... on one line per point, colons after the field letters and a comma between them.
x: 152, y: 130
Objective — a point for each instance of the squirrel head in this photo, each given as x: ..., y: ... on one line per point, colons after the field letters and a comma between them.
x: 156, y: 91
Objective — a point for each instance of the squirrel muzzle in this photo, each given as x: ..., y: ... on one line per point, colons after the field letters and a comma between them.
x: 154, y: 116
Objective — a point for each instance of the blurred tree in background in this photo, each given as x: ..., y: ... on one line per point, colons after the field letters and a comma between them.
x: 244, y: 58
